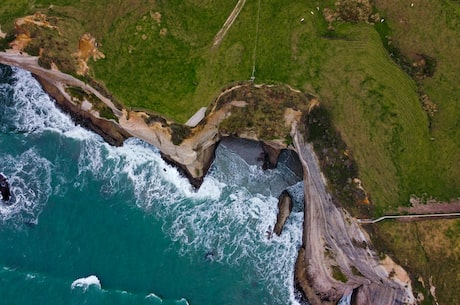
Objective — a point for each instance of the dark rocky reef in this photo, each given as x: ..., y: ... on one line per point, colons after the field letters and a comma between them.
x: 4, y: 188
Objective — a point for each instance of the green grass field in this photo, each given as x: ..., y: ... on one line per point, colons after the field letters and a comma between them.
x: 159, y: 56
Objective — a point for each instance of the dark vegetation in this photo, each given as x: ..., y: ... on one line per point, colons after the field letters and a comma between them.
x: 153, y: 118
x: 336, y: 161
x: 179, y: 132
x: 264, y: 112
x: 338, y: 274
x: 79, y: 95
x: 51, y: 45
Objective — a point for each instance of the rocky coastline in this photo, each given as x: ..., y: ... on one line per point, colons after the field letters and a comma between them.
x: 335, y: 259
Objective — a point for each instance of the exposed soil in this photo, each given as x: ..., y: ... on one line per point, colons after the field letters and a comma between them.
x: 87, y: 48
x: 431, y: 207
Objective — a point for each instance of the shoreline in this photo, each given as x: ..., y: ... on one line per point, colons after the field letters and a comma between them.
x: 194, y: 155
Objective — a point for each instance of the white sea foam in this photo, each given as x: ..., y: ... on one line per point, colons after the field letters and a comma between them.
x: 345, y: 300
x: 229, y: 216
x: 35, y: 110
x: 30, y: 276
x: 29, y: 176
x: 154, y: 297
x: 86, y: 282
x: 183, y: 302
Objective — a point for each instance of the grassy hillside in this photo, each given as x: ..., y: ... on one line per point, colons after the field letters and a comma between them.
x: 433, y: 28
x: 159, y: 56
x: 430, y: 250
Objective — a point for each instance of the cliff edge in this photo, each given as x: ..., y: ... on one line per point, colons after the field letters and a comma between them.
x: 335, y: 260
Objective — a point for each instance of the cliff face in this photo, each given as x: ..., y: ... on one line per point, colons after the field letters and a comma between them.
x: 336, y: 258
x: 193, y: 156
x: 109, y: 130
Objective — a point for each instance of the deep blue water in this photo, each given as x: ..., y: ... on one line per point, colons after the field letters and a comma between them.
x: 95, y: 224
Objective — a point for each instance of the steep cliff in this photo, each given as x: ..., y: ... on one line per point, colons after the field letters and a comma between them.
x: 336, y: 258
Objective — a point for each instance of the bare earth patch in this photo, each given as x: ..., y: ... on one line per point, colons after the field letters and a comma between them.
x: 431, y: 206
x: 23, y: 39
x: 21, y: 42
x: 156, y: 16
x: 87, y: 48
x: 37, y: 19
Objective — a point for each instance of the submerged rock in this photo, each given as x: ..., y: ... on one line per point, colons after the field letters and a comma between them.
x: 4, y: 188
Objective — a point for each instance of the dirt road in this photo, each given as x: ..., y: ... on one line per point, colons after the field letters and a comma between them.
x: 228, y: 23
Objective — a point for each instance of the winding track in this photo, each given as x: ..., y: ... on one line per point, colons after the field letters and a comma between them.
x: 228, y: 23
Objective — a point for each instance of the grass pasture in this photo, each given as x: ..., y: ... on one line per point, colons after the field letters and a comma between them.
x: 159, y: 56
x: 428, y: 249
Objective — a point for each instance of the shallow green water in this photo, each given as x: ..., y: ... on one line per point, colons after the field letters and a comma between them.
x: 94, y: 224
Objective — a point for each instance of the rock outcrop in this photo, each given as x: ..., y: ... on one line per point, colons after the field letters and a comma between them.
x: 284, y: 210
x: 109, y: 130
x: 193, y: 156
x: 4, y: 188
x: 335, y: 258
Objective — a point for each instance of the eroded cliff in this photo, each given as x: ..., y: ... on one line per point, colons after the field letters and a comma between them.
x: 336, y: 258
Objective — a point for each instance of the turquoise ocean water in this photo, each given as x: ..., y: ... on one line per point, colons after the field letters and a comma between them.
x: 95, y: 224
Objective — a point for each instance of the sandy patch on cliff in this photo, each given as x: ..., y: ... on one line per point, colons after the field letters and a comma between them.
x: 291, y: 115
x: 87, y: 48
x: 395, y: 271
x: 21, y: 41
x: 37, y: 19
x: 23, y: 37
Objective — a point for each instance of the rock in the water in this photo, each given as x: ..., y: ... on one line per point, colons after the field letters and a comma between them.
x: 271, y: 154
x: 4, y: 188
x: 284, y: 210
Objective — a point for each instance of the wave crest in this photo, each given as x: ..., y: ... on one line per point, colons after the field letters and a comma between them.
x: 29, y: 176
x: 86, y: 282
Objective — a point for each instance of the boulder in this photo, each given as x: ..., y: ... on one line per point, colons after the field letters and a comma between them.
x: 4, y: 188
x: 284, y: 210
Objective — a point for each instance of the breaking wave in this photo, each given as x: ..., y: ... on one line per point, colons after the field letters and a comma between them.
x: 86, y: 282
x: 227, y: 218
x: 29, y: 176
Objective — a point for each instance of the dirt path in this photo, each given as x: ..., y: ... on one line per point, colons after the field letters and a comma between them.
x: 228, y: 23
x: 431, y: 207
x: 30, y: 63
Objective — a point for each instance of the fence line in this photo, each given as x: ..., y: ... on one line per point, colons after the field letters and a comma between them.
x: 366, y: 221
